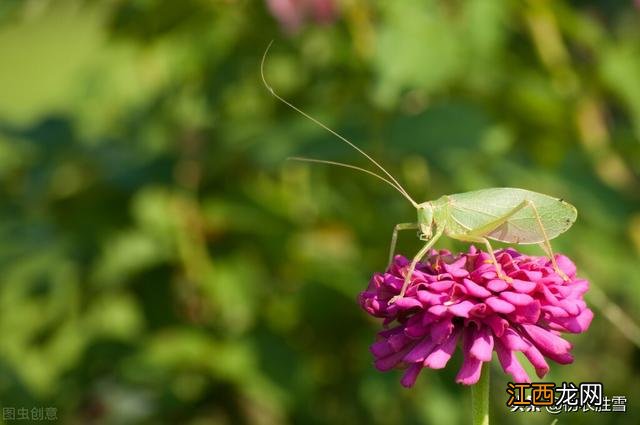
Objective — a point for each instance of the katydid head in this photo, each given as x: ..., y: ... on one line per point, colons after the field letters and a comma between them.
x: 425, y: 219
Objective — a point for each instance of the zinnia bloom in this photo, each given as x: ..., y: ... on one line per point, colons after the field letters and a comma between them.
x: 459, y: 298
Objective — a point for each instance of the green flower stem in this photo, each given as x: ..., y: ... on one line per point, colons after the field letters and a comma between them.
x: 480, y: 398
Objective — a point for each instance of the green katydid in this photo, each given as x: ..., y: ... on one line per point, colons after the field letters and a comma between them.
x: 509, y: 215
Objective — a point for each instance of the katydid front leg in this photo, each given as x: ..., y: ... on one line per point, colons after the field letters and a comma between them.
x: 394, y: 237
x: 414, y: 262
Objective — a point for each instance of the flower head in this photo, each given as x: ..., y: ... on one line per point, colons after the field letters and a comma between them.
x: 459, y: 298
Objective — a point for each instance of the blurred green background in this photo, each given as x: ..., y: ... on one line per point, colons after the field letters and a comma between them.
x: 161, y: 262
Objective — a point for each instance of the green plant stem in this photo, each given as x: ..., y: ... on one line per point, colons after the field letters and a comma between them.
x: 480, y: 398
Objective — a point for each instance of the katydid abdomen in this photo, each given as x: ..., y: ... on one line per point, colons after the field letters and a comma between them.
x: 467, y: 212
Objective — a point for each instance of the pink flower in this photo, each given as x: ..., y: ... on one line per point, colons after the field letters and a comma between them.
x: 459, y: 298
x: 292, y: 14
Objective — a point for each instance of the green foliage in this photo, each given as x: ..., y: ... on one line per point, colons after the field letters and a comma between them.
x: 162, y: 263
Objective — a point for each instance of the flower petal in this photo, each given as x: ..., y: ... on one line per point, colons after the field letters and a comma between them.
x: 469, y: 373
x: 411, y: 374
x: 513, y: 341
x: 499, y: 305
x: 441, y: 330
x: 438, y: 310
x: 498, y: 324
x: 579, y: 287
x: 497, y: 285
x: 462, y: 308
x: 529, y: 313
x: 476, y: 290
x: 516, y: 298
x: 381, y: 348
x: 442, y: 353
x: 384, y: 364
x: 537, y: 360
x: 441, y: 285
x: 428, y: 298
x: 529, y: 275
x: 576, y: 324
x: 406, y: 303
x: 479, y: 310
x: 523, y: 286
x: 482, y: 346
x: 555, y: 311
x: 399, y: 341
x: 456, y: 269
x: 546, y: 341
x: 510, y: 363
x: 414, y: 327
x: 566, y: 265
x: 420, y: 351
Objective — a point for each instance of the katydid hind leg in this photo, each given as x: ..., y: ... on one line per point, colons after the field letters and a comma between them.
x: 478, y: 235
x: 546, y: 243
x: 499, y: 221
x: 394, y: 238
x: 543, y: 247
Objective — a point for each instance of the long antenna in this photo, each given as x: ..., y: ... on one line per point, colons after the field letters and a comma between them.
x: 295, y: 108
x: 353, y: 167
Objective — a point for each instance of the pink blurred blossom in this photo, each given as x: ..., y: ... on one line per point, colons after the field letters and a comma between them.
x: 292, y: 14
